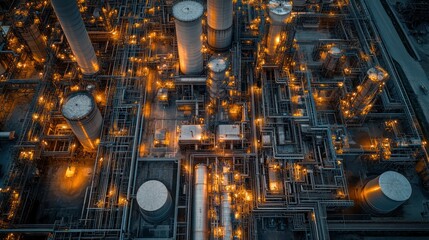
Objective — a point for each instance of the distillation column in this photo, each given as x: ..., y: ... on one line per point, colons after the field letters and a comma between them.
x: 358, y: 103
x: 279, y: 12
x: 188, y: 31
x: 200, y: 208
x: 332, y: 60
x: 216, y: 81
x: 219, y: 20
x: 73, y: 27
x: 26, y: 26
x: 226, y: 206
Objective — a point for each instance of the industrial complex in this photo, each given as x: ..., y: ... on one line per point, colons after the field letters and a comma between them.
x: 214, y: 119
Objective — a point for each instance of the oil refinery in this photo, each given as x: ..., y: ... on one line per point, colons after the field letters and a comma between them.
x: 214, y: 119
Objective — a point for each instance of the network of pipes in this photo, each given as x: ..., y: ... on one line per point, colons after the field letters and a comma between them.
x: 214, y: 119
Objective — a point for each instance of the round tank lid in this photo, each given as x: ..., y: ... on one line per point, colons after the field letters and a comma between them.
x: 377, y: 74
x: 152, y: 195
x: 280, y: 7
x: 395, y: 186
x: 78, y: 106
x: 335, y: 51
x: 217, y: 65
x: 187, y: 11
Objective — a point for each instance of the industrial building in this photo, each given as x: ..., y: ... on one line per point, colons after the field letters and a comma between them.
x: 217, y: 119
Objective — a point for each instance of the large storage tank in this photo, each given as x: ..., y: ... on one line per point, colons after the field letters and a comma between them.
x: 216, y: 82
x: 200, y: 207
x: 219, y: 20
x: 84, y: 118
x: 279, y: 11
x: 154, y: 200
x: 188, y: 31
x: 73, y: 27
x: 359, y: 102
x: 386, y: 192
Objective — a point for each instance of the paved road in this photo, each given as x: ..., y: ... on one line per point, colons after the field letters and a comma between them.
x: 412, y: 69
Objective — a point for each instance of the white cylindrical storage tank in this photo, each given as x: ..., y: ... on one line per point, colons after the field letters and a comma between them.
x: 219, y: 20
x: 154, y: 200
x: 279, y: 11
x: 216, y: 82
x: 73, y: 27
x: 386, y: 192
x: 83, y: 116
x: 200, y: 207
x: 188, y: 31
x: 332, y: 58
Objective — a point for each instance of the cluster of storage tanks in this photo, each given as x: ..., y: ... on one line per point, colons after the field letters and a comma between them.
x: 188, y: 15
x: 79, y: 108
x: 382, y: 194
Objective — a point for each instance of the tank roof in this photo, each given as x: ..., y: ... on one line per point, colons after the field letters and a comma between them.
x: 217, y: 65
x: 280, y: 7
x: 377, y: 74
x: 229, y: 132
x: 152, y: 195
x: 190, y: 132
x: 78, y: 105
x: 187, y: 11
x: 335, y: 51
x: 395, y: 186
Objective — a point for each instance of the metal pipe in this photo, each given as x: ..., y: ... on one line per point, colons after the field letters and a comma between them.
x: 7, y: 135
